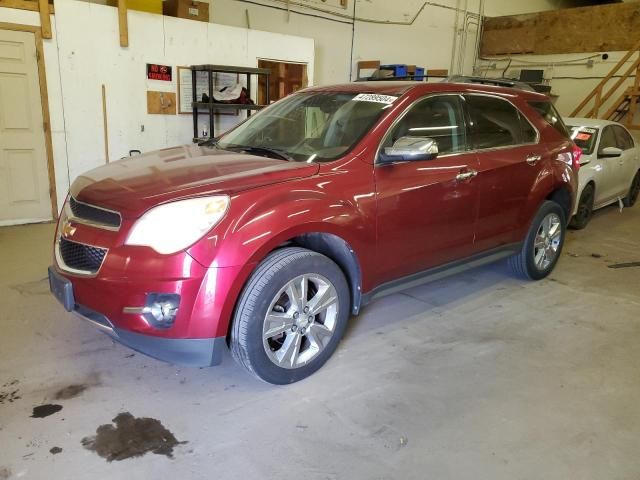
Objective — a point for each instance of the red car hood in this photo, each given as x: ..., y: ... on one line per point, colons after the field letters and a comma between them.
x: 134, y: 185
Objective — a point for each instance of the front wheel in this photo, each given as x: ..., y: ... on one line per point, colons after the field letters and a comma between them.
x: 542, y: 247
x: 290, y: 316
x: 634, y: 190
x: 585, y: 208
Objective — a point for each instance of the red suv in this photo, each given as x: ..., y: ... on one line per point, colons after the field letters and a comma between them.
x: 267, y: 239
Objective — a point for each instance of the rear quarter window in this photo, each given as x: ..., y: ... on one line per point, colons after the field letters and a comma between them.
x: 550, y: 115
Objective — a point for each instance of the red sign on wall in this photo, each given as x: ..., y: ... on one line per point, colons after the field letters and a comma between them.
x: 158, y: 72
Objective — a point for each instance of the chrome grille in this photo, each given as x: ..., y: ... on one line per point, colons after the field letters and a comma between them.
x: 80, y: 257
x: 95, y: 215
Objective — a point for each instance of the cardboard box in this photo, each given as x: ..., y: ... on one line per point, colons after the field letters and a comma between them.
x: 191, y: 9
x: 151, y: 6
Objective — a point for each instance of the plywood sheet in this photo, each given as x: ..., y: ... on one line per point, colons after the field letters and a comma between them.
x: 513, y: 34
x: 601, y: 28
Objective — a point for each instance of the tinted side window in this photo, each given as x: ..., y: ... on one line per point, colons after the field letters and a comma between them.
x: 494, y: 122
x: 551, y: 116
x: 608, y: 139
x: 440, y: 118
x: 624, y: 139
x: 529, y: 134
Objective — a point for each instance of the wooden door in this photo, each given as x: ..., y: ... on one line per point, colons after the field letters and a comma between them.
x: 24, y: 180
x: 285, y: 78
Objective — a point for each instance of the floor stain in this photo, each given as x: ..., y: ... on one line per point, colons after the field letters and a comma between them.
x: 9, y: 392
x: 45, y: 410
x: 625, y: 265
x: 70, y: 392
x: 37, y: 287
x: 5, y: 473
x: 131, y: 437
x: 55, y: 450
x: 76, y: 389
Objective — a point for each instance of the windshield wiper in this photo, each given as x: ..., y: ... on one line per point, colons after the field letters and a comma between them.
x: 261, y: 150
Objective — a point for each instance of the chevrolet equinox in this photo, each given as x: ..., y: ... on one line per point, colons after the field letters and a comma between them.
x: 266, y: 239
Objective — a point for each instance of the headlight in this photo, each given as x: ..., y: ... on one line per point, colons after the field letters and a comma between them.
x: 175, y: 226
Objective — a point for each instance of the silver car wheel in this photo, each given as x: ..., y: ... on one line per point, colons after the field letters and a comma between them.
x: 300, y: 321
x: 547, y: 242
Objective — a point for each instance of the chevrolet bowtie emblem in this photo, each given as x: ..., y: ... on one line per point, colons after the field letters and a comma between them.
x: 68, y: 230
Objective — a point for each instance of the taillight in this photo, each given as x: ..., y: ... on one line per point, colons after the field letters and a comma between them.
x: 576, y: 155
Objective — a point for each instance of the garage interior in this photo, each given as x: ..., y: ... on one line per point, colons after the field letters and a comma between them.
x: 478, y: 375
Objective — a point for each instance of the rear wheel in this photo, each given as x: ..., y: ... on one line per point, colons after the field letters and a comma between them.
x: 634, y: 191
x: 585, y: 208
x: 542, y: 247
x: 290, y: 316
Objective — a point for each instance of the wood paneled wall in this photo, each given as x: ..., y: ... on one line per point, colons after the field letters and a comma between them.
x: 602, y: 28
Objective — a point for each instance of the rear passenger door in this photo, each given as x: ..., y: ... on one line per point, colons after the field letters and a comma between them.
x: 509, y: 163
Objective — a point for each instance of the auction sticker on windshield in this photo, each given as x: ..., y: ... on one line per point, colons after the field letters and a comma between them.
x: 372, y: 97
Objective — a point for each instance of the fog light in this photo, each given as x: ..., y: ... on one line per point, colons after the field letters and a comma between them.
x: 161, y: 309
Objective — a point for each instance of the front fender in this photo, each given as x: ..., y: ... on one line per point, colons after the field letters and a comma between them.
x: 261, y: 220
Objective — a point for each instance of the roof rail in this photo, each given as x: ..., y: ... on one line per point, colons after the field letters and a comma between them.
x: 498, y: 82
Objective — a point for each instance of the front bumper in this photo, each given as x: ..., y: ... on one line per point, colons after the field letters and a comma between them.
x: 192, y: 352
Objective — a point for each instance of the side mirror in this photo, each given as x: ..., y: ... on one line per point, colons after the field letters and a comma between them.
x: 410, y: 148
x: 610, y: 152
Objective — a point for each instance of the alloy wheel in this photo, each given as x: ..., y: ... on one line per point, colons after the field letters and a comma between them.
x: 300, y: 321
x: 547, y: 242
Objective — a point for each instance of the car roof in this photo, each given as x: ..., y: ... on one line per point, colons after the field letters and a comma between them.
x: 401, y: 87
x: 588, y: 122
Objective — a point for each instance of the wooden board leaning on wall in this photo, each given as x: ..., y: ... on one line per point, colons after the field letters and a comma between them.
x: 598, y: 28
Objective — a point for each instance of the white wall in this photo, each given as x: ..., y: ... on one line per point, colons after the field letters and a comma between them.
x: 332, y: 37
x: 427, y: 42
x: 85, y: 53
x: 498, y: 8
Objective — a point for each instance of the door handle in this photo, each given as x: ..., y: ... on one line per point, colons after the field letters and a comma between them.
x: 462, y: 176
x: 533, y: 159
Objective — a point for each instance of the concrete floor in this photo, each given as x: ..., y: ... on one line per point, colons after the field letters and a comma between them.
x: 477, y: 376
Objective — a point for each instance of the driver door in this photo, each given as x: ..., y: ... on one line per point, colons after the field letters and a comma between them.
x: 627, y: 161
x: 609, y: 186
x: 427, y: 208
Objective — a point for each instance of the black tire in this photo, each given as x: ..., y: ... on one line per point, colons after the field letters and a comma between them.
x: 270, y: 277
x: 524, y: 262
x: 634, y: 190
x: 585, y: 208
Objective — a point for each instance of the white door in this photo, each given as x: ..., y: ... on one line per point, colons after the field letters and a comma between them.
x: 608, y: 187
x: 628, y: 160
x: 24, y: 180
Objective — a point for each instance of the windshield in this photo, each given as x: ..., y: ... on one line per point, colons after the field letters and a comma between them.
x: 308, y: 127
x: 584, y: 138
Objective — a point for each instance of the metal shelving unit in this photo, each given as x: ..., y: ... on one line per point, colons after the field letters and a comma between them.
x: 210, y: 107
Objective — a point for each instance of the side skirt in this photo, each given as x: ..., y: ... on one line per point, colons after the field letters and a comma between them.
x: 442, y: 271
